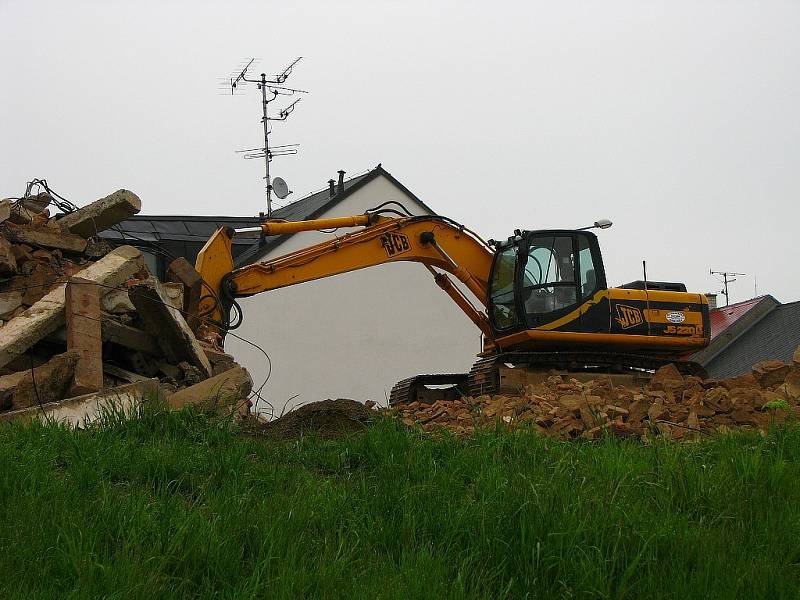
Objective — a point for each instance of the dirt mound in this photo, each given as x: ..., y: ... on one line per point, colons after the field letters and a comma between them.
x: 329, y: 419
x: 670, y: 405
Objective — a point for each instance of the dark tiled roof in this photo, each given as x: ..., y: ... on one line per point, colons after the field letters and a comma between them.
x: 158, y: 228
x: 775, y: 336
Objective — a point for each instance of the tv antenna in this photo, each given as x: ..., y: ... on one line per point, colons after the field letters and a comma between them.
x: 271, y: 87
x: 727, y: 277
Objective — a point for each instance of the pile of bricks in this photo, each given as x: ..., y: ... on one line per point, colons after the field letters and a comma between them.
x: 84, y: 325
x: 668, y: 405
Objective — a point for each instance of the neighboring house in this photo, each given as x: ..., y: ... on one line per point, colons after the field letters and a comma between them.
x: 748, y: 332
x: 352, y: 335
x: 349, y: 336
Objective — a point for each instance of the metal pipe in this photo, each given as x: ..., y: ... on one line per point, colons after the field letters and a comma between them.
x: 282, y: 227
x: 266, y: 142
x: 480, y: 320
x: 462, y: 274
x: 341, y: 182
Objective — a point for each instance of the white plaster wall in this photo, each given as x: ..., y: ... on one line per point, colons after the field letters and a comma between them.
x: 353, y: 335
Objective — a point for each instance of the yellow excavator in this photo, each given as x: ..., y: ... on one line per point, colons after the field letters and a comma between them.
x: 543, y: 301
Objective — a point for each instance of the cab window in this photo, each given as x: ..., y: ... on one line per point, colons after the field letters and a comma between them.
x: 588, y: 278
x: 503, y: 307
x: 548, y: 280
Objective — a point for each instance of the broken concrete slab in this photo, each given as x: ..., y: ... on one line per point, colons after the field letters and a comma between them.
x: 117, y: 302
x: 129, y: 337
x: 8, y: 264
x: 228, y: 389
x: 123, y: 374
x: 96, y: 247
x: 37, y: 203
x: 85, y: 410
x: 181, y: 271
x: 770, y: 372
x: 9, y: 302
x: 5, y: 209
x: 21, y: 215
x: 47, y: 383
x: 37, y: 280
x: 47, y: 237
x: 168, y: 325
x: 8, y: 384
x: 84, y: 336
x: 47, y: 315
x: 102, y: 214
x: 174, y: 294
x: 220, y: 361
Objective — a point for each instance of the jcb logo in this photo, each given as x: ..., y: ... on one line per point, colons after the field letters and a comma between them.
x: 395, y: 243
x: 628, y: 316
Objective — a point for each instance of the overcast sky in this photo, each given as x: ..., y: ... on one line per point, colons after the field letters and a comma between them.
x: 677, y: 120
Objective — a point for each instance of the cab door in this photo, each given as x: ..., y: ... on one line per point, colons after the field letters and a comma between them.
x: 594, y: 307
x: 503, y: 305
x: 548, y: 287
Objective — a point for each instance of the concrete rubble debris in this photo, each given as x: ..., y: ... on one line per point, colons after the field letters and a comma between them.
x: 9, y: 302
x: 37, y: 203
x: 83, y: 410
x: 5, y: 210
x: 102, y: 214
x: 46, y: 237
x: 228, y: 389
x: 180, y: 271
x: 117, y: 302
x: 47, y: 315
x: 8, y: 262
x: 168, y: 325
x: 670, y: 405
x: 40, y: 385
x: 84, y: 325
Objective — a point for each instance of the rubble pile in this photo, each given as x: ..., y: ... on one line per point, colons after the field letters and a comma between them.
x: 669, y: 405
x: 83, y: 324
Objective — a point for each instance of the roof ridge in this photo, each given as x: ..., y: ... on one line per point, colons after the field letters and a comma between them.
x: 325, y: 188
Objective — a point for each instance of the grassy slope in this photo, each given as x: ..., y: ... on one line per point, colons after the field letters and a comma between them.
x: 174, y: 505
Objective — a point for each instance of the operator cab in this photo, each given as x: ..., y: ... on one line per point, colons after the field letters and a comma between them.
x: 538, y: 277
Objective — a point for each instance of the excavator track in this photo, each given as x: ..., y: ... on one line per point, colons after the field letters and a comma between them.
x: 414, y: 389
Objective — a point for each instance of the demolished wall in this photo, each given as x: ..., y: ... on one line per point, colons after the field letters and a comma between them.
x: 79, y: 320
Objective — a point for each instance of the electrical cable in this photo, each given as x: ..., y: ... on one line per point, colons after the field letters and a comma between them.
x: 387, y: 203
x: 57, y: 199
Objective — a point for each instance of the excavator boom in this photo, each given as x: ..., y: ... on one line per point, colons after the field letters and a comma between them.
x: 436, y: 242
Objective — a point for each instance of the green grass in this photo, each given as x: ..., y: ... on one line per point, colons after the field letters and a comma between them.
x: 176, y: 505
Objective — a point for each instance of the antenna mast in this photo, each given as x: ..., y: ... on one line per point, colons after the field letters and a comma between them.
x: 270, y: 90
x: 727, y: 277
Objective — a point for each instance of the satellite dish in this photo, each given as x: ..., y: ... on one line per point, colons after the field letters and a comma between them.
x: 280, y: 188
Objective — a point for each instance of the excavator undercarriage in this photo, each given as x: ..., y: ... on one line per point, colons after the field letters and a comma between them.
x: 509, y: 372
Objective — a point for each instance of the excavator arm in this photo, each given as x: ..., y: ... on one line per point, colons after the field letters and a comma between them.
x: 439, y: 243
